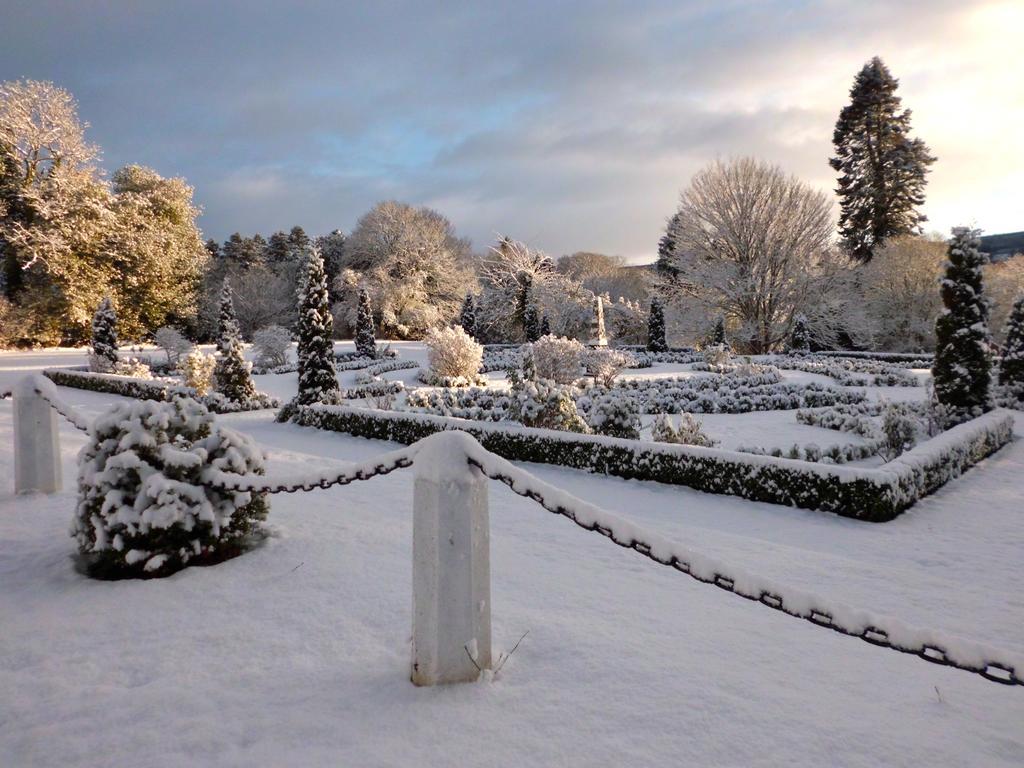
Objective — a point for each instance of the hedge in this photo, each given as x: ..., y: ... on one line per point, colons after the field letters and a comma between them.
x: 875, y: 495
x: 143, y: 389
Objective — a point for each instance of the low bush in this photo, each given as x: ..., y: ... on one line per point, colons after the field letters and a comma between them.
x: 144, y: 505
x: 453, y: 354
x: 271, y: 345
x: 557, y: 359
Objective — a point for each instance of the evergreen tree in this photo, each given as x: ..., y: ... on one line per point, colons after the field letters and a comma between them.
x: 278, y: 249
x: 366, y: 345
x: 227, y: 323
x: 656, y: 327
x: 531, y: 323
x: 318, y: 379
x: 104, y: 333
x: 1011, y: 369
x: 800, y: 338
x: 718, y: 334
x: 881, y: 169
x: 962, y: 367
x: 232, y: 373
x: 666, y: 248
x: 524, y: 298
x: 299, y: 244
x: 467, y: 316
x: 545, y: 325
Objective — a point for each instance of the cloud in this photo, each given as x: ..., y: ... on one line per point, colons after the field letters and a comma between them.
x: 571, y: 124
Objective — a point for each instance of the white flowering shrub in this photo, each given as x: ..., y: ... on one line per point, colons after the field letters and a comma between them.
x: 99, y: 363
x: 614, y: 416
x: 197, y: 369
x: 688, y: 432
x: 453, y: 354
x: 605, y: 364
x: 271, y: 346
x: 145, y: 507
x: 557, y: 359
x: 173, y: 343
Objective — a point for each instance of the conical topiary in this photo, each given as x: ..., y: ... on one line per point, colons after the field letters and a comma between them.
x: 366, y: 344
x: 232, y: 376
x: 656, y: 327
x: 1011, y: 368
x: 318, y: 379
x: 104, y: 334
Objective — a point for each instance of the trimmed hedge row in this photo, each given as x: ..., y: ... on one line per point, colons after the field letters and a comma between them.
x: 875, y: 495
x: 152, y: 390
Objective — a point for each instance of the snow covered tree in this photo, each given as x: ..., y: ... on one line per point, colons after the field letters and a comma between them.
x: 453, y: 354
x: 800, y: 338
x: 227, y: 324
x: 753, y: 243
x: 718, y: 334
x: 271, y: 345
x: 318, y: 379
x: 173, y: 343
x: 366, y: 345
x: 881, y: 169
x: 962, y: 368
x: 1011, y: 368
x: 232, y: 375
x: 531, y: 322
x: 665, y: 265
x: 104, y: 335
x: 656, y: 327
x: 545, y: 325
x: 467, y: 317
x: 524, y: 299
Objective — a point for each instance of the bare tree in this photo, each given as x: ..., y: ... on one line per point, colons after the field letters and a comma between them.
x: 753, y: 243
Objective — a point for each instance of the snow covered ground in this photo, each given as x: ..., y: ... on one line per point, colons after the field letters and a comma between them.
x: 297, y: 654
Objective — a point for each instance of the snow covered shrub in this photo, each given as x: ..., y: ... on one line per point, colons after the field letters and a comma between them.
x: 145, y: 503
x: 614, y: 416
x: 717, y: 355
x: 467, y: 316
x: 132, y: 367
x: 656, y: 327
x: 173, y: 343
x: 545, y: 404
x: 453, y: 353
x: 271, y: 345
x: 104, y: 338
x: 197, y: 369
x: 557, y: 359
x: 899, y: 431
x: 605, y: 364
x: 689, y: 432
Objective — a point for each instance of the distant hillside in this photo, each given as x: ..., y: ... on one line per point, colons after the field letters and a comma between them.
x: 1002, y: 247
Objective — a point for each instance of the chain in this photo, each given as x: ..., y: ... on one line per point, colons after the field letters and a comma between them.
x: 258, y: 483
x: 994, y: 671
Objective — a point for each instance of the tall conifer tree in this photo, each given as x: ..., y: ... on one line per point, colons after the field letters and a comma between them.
x: 318, y: 379
x: 962, y: 367
x: 881, y: 168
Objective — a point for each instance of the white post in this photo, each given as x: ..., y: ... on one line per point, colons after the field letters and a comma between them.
x: 37, y: 465
x: 451, y: 638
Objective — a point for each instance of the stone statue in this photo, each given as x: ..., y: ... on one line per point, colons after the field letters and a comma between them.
x: 598, y: 337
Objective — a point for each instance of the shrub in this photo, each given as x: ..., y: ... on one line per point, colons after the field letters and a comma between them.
x: 173, y: 343
x: 557, y: 359
x: 144, y: 505
x: 132, y: 367
x: 689, y: 432
x: 197, y: 369
x: 614, y: 416
x: 452, y: 353
x: 546, y: 404
x: 717, y: 355
x: 271, y: 345
x: 899, y: 431
x: 605, y: 364
x: 104, y: 338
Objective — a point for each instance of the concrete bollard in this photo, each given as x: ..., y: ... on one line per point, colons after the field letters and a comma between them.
x: 37, y: 464
x: 451, y: 565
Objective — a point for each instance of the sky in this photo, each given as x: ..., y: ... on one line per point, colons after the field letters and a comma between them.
x: 569, y: 125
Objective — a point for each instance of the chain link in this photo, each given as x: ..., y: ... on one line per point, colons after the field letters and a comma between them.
x: 251, y: 483
x: 990, y: 670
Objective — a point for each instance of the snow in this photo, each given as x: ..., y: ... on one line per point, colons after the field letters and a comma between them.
x: 297, y: 653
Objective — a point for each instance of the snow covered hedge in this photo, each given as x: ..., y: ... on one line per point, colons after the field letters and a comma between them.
x: 153, y: 390
x: 144, y: 508
x: 876, y: 494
